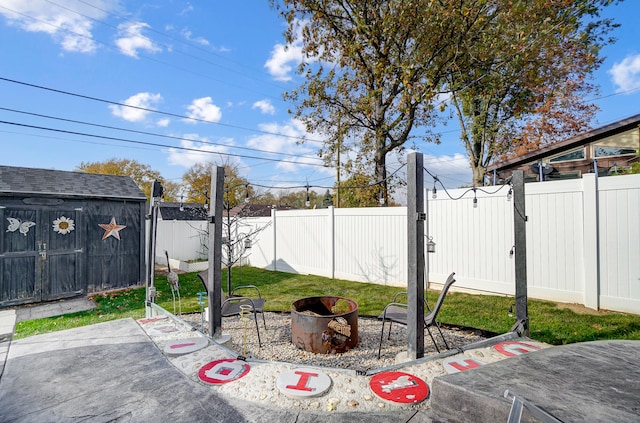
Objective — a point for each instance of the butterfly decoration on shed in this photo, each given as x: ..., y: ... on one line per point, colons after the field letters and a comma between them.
x: 18, y: 225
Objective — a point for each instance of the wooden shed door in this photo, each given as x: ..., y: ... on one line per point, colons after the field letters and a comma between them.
x: 61, y: 263
x: 38, y: 262
x: 19, y: 266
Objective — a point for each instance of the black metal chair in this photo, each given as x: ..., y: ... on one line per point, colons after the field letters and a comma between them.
x: 231, y: 304
x: 397, y: 312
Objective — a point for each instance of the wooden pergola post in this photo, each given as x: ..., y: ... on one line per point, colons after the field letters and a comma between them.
x: 214, y: 280
x: 416, y: 217
x: 520, y: 230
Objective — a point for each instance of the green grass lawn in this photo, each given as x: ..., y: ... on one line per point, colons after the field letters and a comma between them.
x: 550, y: 322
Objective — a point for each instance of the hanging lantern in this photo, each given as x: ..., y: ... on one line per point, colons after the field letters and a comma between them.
x: 431, y: 246
x: 247, y: 243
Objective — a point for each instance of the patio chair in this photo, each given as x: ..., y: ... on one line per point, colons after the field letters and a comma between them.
x: 231, y: 304
x: 397, y: 312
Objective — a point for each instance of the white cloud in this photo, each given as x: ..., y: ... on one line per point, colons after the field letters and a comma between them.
x: 265, y: 107
x: 163, y: 123
x: 138, y: 102
x: 204, y: 109
x: 71, y: 30
x: 452, y: 170
x: 283, y: 139
x: 188, y: 9
x: 206, y: 153
x: 131, y: 40
x: 189, y: 37
x: 283, y: 59
x: 626, y: 74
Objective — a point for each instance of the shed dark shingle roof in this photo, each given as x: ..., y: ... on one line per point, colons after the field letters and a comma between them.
x: 190, y: 211
x: 30, y: 181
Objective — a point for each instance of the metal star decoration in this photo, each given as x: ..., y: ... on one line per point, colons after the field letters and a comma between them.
x: 111, y: 229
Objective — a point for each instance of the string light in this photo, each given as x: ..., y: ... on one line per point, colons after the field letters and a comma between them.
x: 510, y: 194
x: 475, y: 199
x: 307, y: 203
x: 434, y: 195
x: 381, y: 200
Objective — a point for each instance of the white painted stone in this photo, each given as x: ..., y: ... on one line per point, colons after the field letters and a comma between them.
x: 163, y: 330
x: 185, y: 346
x: 460, y: 363
x: 303, y: 383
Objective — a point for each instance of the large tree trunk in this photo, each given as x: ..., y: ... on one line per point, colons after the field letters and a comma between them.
x: 381, y: 173
x: 478, y: 174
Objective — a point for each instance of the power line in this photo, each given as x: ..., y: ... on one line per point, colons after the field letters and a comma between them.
x: 143, y: 148
x: 197, y: 119
x: 307, y: 185
x: 152, y: 144
x: 160, y: 112
x: 74, y: 140
x: 109, y: 46
x: 154, y: 134
x: 630, y: 90
x: 172, y: 38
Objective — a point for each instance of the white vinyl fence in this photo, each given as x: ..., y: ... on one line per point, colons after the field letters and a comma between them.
x: 583, y: 242
x: 183, y: 240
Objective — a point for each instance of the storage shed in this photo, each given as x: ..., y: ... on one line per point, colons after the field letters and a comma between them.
x: 64, y: 234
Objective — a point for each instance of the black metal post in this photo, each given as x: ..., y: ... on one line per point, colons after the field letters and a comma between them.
x: 214, y: 280
x: 156, y: 192
x: 415, y: 269
x: 520, y: 230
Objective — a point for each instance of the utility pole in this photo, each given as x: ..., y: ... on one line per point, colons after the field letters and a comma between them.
x: 416, y: 217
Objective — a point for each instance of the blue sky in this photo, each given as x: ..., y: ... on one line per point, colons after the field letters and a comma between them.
x: 65, y: 62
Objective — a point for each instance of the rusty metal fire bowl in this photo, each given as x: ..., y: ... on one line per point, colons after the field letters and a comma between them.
x: 324, y: 324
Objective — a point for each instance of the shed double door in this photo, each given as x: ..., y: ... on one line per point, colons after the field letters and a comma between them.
x: 40, y: 255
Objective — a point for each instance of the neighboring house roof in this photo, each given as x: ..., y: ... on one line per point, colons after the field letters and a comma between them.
x: 255, y: 210
x: 59, y: 183
x: 566, y: 145
x: 190, y: 211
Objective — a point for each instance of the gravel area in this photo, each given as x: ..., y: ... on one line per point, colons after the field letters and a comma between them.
x: 277, y: 345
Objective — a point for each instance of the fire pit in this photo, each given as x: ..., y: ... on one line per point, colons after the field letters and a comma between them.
x: 324, y: 324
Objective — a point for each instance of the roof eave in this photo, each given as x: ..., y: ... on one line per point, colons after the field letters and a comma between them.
x: 568, y: 144
x: 23, y: 193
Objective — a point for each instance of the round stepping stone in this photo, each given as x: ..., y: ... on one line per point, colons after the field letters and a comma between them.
x: 163, y: 330
x: 399, y: 387
x: 303, y: 383
x: 457, y: 364
x: 223, y: 371
x: 511, y: 348
x: 185, y: 346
